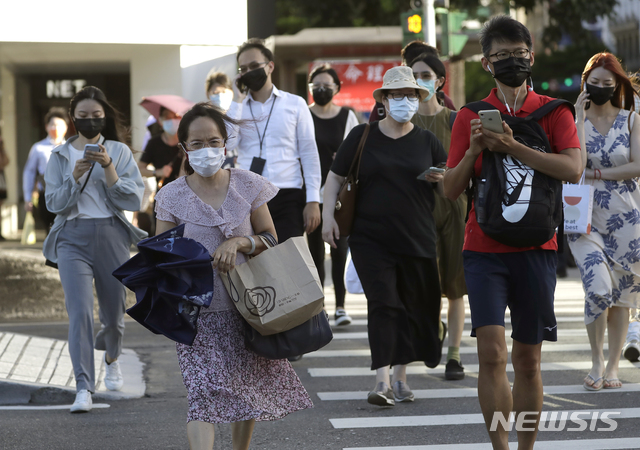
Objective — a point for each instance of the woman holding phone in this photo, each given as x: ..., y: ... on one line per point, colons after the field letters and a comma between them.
x: 91, y: 179
x: 608, y: 257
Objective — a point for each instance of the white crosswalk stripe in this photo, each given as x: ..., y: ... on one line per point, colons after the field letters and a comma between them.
x: 470, y: 392
x: 579, y: 444
x: 345, y: 364
x: 417, y: 368
x: 459, y: 419
x: 548, y: 347
x: 342, y: 335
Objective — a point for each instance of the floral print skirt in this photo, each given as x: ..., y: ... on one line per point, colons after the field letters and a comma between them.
x: 227, y: 383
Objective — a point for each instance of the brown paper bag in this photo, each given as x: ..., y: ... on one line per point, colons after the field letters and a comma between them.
x: 277, y: 290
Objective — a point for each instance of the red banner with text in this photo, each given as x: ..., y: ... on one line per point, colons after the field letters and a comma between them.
x: 359, y: 80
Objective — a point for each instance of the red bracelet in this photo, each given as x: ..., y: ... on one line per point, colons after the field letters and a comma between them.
x: 597, y: 174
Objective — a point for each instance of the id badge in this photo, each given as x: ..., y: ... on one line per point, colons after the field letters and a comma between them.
x: 257, y: 165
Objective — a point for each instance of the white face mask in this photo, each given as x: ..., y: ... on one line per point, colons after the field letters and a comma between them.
x: 207, y: 161
x: 222, y: 100
x: 403, y: 110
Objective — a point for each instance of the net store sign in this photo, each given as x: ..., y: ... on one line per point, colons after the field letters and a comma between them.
x: 64, y: 88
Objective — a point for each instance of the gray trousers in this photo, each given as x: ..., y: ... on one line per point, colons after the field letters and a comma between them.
x: 91, y: 249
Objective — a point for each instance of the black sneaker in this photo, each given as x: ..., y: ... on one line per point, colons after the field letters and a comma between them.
x: 453, y: 370
x: 342, y: 318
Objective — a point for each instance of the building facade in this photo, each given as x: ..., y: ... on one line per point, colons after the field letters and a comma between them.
x: 48, y: 51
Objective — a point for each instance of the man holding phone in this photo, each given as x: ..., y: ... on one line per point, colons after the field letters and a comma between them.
x: 498, y: 275
x: 278, y: 141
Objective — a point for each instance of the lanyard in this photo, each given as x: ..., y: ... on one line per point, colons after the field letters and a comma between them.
x: 261, y: 138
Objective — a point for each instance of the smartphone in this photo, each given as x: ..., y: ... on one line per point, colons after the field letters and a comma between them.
x: 491, y: 120
x: 243, y: 88
x: 430, y: 170
x: 91, y: 148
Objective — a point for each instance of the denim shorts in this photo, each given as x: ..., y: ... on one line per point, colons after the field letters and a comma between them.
x: 523, y: 281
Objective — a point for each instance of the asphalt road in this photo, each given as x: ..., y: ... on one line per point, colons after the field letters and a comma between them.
x: 337, y: 383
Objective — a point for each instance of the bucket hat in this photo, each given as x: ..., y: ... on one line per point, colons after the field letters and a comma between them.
x: 400, y: 77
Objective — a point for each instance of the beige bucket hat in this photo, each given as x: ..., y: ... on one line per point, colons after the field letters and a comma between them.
x: 400, y: 77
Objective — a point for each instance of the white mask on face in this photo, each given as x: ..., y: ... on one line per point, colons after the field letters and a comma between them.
x: 222, y: 100
x: 403, y: 110
x: 207, y: 161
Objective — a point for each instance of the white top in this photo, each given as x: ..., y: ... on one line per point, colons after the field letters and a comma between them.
x: 289, y: 142
x: 90, y: 205
x: 36, y: 165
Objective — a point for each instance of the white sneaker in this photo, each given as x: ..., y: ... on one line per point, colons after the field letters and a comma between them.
x: 113, y: 376
x: 83, y: 402
x: 631, y: 349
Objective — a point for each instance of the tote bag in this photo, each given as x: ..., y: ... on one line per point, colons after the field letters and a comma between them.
x: 577, y: 202
x: 277, y: 290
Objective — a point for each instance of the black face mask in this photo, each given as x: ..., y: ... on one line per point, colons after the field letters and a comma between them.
x: 600, y: 95
x: 254, y: 79
x: 512, y: 71
x: 90, y: 128
x: 322, y: 96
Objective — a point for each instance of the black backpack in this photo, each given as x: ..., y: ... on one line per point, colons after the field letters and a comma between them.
x: 516, y: 205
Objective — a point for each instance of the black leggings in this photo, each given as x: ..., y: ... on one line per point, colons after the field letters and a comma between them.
x: 338, y: 261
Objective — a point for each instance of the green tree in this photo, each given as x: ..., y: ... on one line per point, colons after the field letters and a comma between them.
x: 565, y: 16
x: 294, y: 15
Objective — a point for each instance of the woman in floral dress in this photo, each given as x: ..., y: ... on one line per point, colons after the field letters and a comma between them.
x: 609, y: 257
x: 224, y: 210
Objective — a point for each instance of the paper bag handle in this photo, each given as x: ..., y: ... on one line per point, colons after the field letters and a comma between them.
x: 233, y: 289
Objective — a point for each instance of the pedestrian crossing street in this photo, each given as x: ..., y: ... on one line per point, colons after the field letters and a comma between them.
x: 446, y: 414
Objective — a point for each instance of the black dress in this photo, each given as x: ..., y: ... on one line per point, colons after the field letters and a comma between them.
x: 393, y: 243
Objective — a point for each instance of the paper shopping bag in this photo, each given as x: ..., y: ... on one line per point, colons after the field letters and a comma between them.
x: 578, y: 207
x: 28, y: 230
x: 277, y: 290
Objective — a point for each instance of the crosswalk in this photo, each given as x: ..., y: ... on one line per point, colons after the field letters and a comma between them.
x: 446, y: 414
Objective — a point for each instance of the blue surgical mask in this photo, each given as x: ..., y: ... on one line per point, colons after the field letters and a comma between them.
x: 171, y: 126
x: 430, y: 85
x: 222, y: 100
x: 403, y: 110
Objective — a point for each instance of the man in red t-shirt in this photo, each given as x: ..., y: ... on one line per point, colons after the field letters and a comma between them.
x: 498, y: 275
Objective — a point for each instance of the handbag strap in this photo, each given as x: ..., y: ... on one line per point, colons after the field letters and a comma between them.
x: 235, y: 296
x: 355, y: 164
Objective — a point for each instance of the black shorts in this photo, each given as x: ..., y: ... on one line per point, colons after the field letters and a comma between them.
x: 523, y: 281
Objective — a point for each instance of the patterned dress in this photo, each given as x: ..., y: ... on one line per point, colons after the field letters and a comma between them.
x: 609, y: 257
x: 225, y: 381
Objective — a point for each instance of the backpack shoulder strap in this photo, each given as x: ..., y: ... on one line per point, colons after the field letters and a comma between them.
x: 452, y: 118
x: 548, y: 107
x: 478, y: 106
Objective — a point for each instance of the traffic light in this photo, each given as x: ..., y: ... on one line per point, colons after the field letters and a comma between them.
x: 452, y: 40
x: 412, y: 26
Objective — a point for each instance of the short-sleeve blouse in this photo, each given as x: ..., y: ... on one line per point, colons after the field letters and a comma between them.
x: 177, y: 203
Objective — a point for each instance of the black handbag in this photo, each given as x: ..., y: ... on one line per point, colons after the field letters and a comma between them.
x: 308, y: 337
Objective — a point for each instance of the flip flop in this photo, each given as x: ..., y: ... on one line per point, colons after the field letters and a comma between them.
x: 595, y: 381
x: 608, y: 381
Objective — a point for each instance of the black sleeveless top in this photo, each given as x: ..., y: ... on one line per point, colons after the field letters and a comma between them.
x: 329, y: 136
